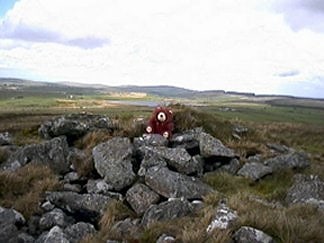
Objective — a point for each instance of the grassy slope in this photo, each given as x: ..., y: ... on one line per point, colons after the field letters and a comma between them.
x: 299, y: 127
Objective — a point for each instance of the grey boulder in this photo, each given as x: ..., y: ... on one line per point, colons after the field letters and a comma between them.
x: 140, y: 197
x: 306, y: 190
x: 74, y: 125
x: 171, y: 184
x: 177, y: 158
x: 88, y: 205
x: 291, y: 160
x: 53, y: 218
x: 11, y: 216
x: 5, y: 139
x: 167, y: 211
x: 248, y: 234
x: 55, y: 235
x: 113, y: 161
x: 76, y: 232
x: 223, y: 219
x: 254, y: 171
x: 150, y: 140
x: 52, y: 153
x: 212, y: 147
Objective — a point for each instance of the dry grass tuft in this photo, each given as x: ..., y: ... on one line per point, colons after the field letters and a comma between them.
x: 24, y: 189
x: 83, y: 163
x: 114, y: 212
x: 292, y: 224
x: 91, y: 139
x: 4, y: 154
x: 186, y: 118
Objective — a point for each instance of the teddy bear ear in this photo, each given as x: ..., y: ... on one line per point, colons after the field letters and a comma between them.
x: 170, y: 111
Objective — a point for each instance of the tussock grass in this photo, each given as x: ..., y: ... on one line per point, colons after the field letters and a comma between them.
x: 225, y: 183
x: 272, y: 187
x: 91, y: 139
x: 4, y: 154
x: 186, y: 118
x: 24, y: 189
x: 293, y: 224
x: 114, y: 212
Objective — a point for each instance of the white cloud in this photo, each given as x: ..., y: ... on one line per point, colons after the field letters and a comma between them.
x: 205, y: 44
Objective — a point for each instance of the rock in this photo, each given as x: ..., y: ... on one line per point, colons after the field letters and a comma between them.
x: 98, y: 187
x: 150, y: 159
x: 8, y: 232
x: 127, y: 227
x: 71, y: 177
x: 74, y: 158
x: 254, y: 171
x: 236, y: 136
x: 6, y: 151
x: 278, y: 148
x: 198, y: 163
x: 165, y: 239
x: 52, y: 153
x: 255, y: 158
x: 150, y: 140
x: 223, y: 219
x: 212, y: 147
x: 187, y: 136
x: 171, y: 184
x: 89, y: 206
x: 25, y: 238
x: 101, y: 187
x: 140, y: 198
x: 167, y: 211
x: 52, y: 218
x: 232, y: 167
x: 240, y: 130
x: 55, y: 235
x: 47, y: 206
x: 72, y: 187
x: 76, y: 232
x: 33, y: 225
x: 5, y: 139
x: 251, y: 235
x: 306, y: 190
x: 74, y: 126
x: 197, y: 204
x: 113, y: 161
x: 177, y: 158
x: 11, y: 216
x: 291, y: 160
x: 188, y: 140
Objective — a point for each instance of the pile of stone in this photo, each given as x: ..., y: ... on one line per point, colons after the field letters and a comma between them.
x: 157, y: 179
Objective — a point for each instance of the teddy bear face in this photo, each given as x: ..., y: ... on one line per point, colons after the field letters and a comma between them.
x: 161, y: 116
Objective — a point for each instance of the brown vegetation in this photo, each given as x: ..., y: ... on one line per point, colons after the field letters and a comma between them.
x: 24, y: 189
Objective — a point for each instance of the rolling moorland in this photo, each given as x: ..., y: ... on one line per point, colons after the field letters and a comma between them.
x: 256, y: 128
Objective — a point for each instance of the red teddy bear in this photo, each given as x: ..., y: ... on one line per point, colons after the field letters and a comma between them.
x: 161, y: 122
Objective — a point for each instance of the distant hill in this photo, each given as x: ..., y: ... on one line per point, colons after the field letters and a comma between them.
x: 14, y: 86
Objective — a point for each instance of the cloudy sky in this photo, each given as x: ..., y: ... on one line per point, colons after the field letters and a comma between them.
x: 261, y: 46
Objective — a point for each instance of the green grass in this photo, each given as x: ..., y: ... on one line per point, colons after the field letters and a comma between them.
x: 27, y: 102
x: 265, y: 113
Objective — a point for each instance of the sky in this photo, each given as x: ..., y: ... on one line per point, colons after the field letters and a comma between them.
x: 259, y: 46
